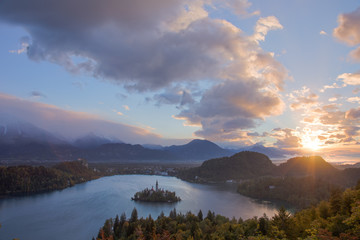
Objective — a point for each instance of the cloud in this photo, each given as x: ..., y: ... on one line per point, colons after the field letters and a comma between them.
x: 24, y: 45
x: 174, y: 96
x: 118, y: 112
x: 72, y: 124
x: 145, y: 45
x: 334, y: 85
x: 302, y: 99
x: 159, y: 45
x: 354, y: 100
x: 355, y: 54
x: 264, y: 25
x: 286, y: 138
x: 350, y: 78
x: 239, y: 7
x: 348, y: 30
x: 37, y: 94
x: 126, y: 107
x: 322, y: 32
x: 353, y: 113
x: 230, y: 106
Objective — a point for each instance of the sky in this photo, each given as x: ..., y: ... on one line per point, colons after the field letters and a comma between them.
x: 279, y: 73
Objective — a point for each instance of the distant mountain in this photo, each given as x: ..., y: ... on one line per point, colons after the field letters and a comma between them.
x: 153, y: 146
x: 271, y: 152
x: 345, y: 166
x: 125, y: 152
x: 243, y: 165
x: 91, y: 140
x: 198, y: 150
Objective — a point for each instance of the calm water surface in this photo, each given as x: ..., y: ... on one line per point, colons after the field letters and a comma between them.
x: 78, y: 212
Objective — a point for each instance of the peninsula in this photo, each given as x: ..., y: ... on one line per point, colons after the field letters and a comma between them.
x: 156, y: 195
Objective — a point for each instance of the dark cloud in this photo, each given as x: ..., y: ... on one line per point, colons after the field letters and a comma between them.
x: 230, y: 106
x: 174, y: 96
x: 128, y: 42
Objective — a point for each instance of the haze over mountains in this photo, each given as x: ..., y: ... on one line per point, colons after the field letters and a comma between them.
x: 22, y: 141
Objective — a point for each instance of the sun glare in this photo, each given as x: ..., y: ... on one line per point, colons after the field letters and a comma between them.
x: 310, y: 140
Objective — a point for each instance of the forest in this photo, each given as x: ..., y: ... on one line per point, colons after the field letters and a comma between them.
x: 335, y: 219
x: 299, y: 192
x: 17, y: 180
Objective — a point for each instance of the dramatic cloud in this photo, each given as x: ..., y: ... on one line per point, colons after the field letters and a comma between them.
x: 230, y: 106
x: 158, y: 45
x: 142, y: 44
x: 71, y: 124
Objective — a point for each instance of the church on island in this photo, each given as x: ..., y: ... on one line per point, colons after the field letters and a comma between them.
x: 156, y: 195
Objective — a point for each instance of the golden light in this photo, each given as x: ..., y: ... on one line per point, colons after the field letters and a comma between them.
x: 310, y: 139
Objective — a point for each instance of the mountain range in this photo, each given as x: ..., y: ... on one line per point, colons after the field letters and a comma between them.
x: 21, y: 141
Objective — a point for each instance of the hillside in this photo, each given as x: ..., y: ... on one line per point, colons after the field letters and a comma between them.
x: 19, y: 180
x: 305, y: 166
x: 112, y: 152
x: 242, y: 165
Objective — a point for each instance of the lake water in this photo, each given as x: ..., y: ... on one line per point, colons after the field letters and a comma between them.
x: 78, y: 212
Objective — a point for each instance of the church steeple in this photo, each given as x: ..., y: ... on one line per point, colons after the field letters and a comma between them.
x: 157, y: 185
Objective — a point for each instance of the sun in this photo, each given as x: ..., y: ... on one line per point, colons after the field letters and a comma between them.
x: 313, y: 144
x: 310, y: 140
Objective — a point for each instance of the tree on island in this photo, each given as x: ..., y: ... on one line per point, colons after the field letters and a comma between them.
x: 156, y: 195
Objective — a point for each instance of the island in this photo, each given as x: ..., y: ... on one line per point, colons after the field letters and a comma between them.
x: 156, y: 195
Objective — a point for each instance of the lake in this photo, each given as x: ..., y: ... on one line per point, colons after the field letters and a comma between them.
x: 78, y: 212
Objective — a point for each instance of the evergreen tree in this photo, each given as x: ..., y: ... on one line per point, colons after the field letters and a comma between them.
x: 122, y: 220
x: 117, y: 228
x: 210, y: 216
x: 134, y: 216
x: 283, y: 221
x: 264, y: 225
x: 172, y: 214
x: 200, y: 215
